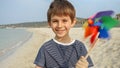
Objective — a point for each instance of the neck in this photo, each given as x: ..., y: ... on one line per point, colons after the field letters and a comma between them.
x: 66, y: 39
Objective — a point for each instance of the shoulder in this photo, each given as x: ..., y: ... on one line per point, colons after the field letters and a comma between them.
x: 79, y: 43
x: 45, y: 44
x: 49, y: 42
x: 80, y: 48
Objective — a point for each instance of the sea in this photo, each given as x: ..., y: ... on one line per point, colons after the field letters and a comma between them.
x: 11, y: 39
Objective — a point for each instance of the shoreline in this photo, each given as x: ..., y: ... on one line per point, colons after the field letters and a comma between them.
x: 27, y: 51
x: 6, y: 52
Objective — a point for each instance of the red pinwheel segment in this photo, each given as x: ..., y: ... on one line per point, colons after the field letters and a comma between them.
x: 91, y: 31
x: 90, y: 22
x: 87, y: 32
x: 94, y: 32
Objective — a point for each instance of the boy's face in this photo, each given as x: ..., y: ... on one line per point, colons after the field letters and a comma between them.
x: 61, y: 25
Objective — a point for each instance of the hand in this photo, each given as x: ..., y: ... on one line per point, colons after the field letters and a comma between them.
x: 82, y: 63
x: 38, y: 66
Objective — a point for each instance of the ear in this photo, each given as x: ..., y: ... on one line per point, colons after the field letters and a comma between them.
x: 74, y: 22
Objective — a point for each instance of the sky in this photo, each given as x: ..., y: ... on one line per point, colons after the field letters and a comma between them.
x: 20, y: 11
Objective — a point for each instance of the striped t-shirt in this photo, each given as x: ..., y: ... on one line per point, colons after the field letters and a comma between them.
x: 54, y: 54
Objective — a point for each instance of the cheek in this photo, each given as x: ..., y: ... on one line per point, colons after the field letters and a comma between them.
x: 68, y: 26
x: 52, y: 25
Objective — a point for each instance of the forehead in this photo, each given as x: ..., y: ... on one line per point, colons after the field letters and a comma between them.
x: 60, y: 14
x: 60, y: 17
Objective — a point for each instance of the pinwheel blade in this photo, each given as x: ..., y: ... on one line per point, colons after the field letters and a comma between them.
x: 103, y: 13
x: 103, y: 33
x: 108, y: 22
x: 87, y: 32
x: 98, y: 24
x: 94, y: 31
x: 85, y: 25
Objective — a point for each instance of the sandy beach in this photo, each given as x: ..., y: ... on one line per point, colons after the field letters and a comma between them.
x: 106, y: 54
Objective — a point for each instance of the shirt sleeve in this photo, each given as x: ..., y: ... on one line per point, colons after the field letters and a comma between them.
x: 88, y: 59
x: 40, y: 58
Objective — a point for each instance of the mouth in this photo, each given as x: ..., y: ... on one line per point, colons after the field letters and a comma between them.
x: 60, y: 31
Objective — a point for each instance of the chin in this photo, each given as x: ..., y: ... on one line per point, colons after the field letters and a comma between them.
x: 60, y: 36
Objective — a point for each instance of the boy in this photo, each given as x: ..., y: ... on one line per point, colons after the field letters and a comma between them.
x: 62, y: 51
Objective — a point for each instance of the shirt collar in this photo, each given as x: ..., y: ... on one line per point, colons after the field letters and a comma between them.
x: 66, y: 44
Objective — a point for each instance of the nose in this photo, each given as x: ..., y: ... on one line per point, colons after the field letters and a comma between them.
x: 59, y: 24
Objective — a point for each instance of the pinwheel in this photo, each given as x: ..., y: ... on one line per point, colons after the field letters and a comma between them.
x: 98, y: 26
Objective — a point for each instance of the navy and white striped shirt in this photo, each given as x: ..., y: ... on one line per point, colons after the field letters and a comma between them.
x: 54, y: 54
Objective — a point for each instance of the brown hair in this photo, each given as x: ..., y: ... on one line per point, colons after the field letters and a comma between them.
x: 61, y: 7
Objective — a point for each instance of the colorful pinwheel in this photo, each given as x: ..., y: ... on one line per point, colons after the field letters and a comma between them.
x: 98, y: 25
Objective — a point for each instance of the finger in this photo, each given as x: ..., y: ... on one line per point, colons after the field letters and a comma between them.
x: 83, y: 59
x: 82, y: 62
x: 81, y: 65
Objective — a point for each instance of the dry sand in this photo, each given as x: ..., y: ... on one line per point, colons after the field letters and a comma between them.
x: 106, y: 54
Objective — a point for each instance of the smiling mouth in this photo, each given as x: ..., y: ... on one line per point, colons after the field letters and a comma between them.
x: 60, y: 31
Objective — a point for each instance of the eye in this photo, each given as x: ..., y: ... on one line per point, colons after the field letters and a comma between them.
x: 54, y: 21
x: 64, y: 20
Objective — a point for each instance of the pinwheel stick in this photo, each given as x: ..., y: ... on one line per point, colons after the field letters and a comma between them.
x: 91, y: 48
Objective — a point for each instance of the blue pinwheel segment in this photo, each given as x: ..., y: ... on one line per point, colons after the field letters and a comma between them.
x: 103, y: 33
x: 97, y: 24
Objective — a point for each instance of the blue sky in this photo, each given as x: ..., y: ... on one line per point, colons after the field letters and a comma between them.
x: 19, y: 11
